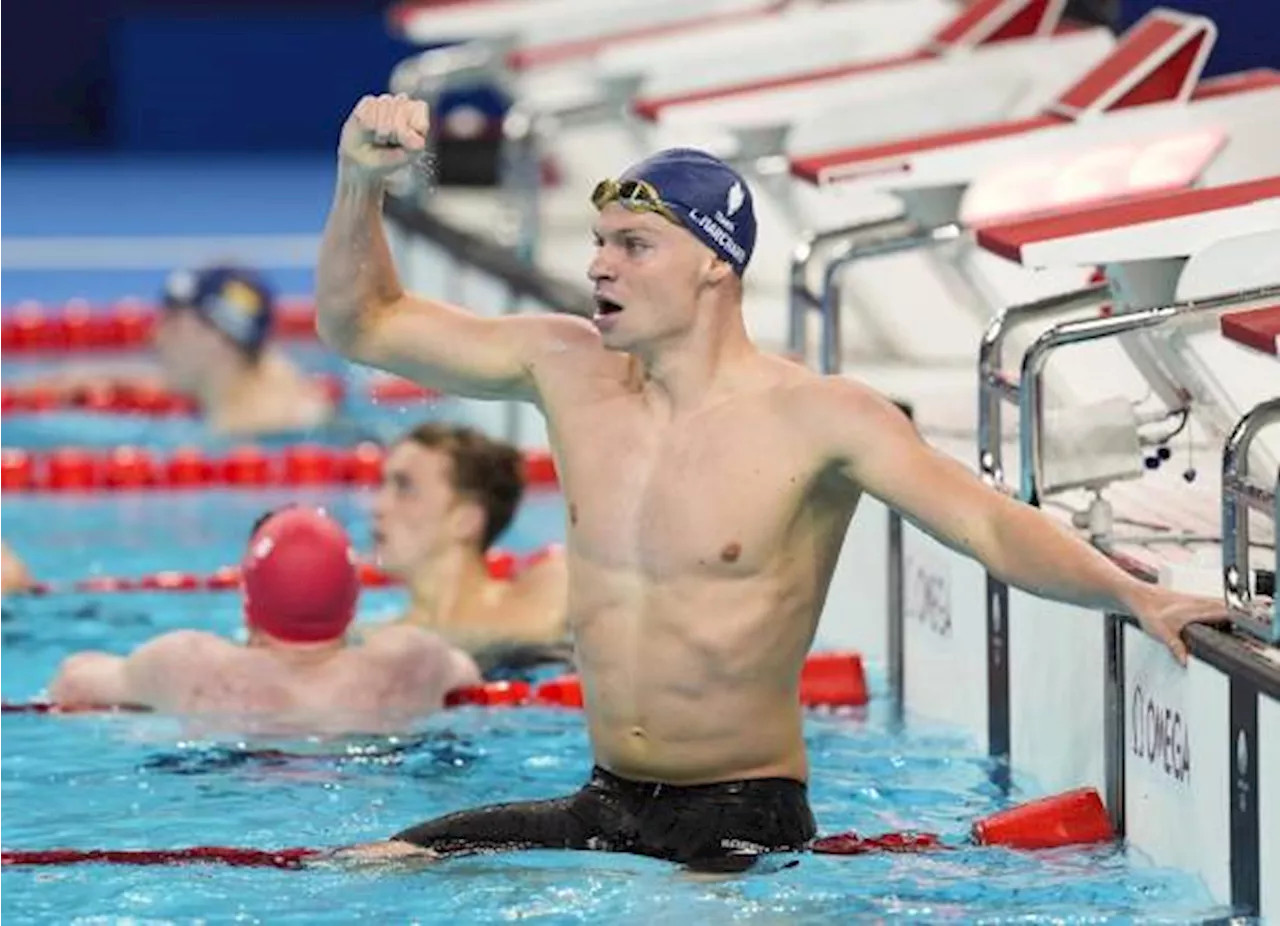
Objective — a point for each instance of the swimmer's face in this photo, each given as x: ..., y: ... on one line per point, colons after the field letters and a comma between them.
x: 182, y: 345
x: 647, y: 274
x: 417, y: 513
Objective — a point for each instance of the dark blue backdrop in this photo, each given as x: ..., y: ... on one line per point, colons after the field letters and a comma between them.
x: 237, y: 75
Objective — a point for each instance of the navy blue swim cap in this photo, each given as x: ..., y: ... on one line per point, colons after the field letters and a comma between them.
x: 234, y: 300
x: 708, y: 196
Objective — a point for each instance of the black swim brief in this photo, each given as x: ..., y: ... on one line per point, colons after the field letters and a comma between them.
x: 723, y: 826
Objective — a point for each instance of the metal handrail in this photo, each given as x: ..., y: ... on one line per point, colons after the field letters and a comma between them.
x: 863, y: 240
x: 1239, y: 494
x: 995, y: 386
x: 879, y: 246
x: 800, y: 299
x: 1030, y: 387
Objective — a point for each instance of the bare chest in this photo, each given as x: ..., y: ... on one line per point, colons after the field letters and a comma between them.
x: 720, y: 493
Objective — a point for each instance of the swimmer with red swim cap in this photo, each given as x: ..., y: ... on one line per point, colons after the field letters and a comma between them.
x: 298, y: 672
x: 709, y: 487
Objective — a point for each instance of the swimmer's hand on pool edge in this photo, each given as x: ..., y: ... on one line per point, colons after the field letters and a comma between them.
x: 1165, y: 614
x: 383, y: 134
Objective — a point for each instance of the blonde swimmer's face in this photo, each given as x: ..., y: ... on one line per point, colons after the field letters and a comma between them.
x: 647, y: 274
x: 416, y: 511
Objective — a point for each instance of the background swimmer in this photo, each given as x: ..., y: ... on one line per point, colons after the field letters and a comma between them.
x: 297, y: 671
x: 447, y: 493
x: 212, y: 341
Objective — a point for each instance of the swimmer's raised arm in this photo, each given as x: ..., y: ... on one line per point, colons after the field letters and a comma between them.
x: 363, y: 311
x: 879, y: 449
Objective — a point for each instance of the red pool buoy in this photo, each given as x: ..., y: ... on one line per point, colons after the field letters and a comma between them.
x: 131, y: 467
x: 224, y: 578
x: 373, y: 577
x: 28, y: 327
x: 490, y: 694
x: 246, y: 466
x: 833, y: 680
x: 1071, y: 818
x: 71, y: 469
x: 539, y: 469
x: 364, y: 464
x: 15, y: 471
x: 130, y: 326
x: 502, y: 565
x: 564, y: 691
x: 188, y: 466
x: 170, y: 581
x: 309, y: 465
x: 106, y: 584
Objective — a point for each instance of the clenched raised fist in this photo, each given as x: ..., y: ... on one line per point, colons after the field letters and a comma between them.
x: 383, y: 134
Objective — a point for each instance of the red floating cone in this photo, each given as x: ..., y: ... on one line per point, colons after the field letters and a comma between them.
x: 1072, y: 818
x: 833, y: 680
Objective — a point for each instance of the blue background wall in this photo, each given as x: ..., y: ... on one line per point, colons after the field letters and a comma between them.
x: 235, y: 75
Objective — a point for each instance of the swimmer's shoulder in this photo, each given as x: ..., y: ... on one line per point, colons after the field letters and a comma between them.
x: 568, y: 350
x: 416, y: 657
x: 398, y: 640
x: 541, y: 591
x: 189, y: 655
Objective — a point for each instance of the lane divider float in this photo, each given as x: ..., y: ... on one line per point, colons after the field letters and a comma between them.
x: 127, y: 468
x: 1069, y: 819
x: 126, y: 398
x: 78, y: 325
x: 828, y: 679
x: 502, y: 564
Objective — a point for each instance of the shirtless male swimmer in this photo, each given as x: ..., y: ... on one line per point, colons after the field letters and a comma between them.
x: 708, y: 487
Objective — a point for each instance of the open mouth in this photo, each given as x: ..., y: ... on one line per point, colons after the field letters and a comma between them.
x: 606, y: 307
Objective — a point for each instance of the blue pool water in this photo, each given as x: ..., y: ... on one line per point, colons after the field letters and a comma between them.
x: 146, y: 782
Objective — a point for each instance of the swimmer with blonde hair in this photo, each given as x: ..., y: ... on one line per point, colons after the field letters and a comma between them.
x: 297, y: 672
x: 709, y: 488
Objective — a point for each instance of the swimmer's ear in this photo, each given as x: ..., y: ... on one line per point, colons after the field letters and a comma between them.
x: 467, y: 519
x: 719, y: 271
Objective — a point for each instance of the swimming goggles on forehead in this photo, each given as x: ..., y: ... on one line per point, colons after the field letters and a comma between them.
x: 637, y: 195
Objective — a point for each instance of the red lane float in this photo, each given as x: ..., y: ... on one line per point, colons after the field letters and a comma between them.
x: 1074, y: 818
x: 120, y: 468
x: 502, y: 565
x: 833, y: 679
x: 566, y: 691
x: 216, y: 855
x: 1069, y: 819
x: 79, y: 325
x: 126, y: 398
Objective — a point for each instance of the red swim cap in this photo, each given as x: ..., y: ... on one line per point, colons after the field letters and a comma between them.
x: 300, y: 578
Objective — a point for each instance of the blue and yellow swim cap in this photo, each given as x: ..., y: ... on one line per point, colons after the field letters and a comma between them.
x: 234, y: 300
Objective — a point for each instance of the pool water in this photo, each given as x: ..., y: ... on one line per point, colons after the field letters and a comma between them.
x: 146, y: 782
x: 100, y: 781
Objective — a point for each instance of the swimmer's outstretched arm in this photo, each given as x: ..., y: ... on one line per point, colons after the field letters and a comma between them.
x: 879, y: 449
x: 362, y: 310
